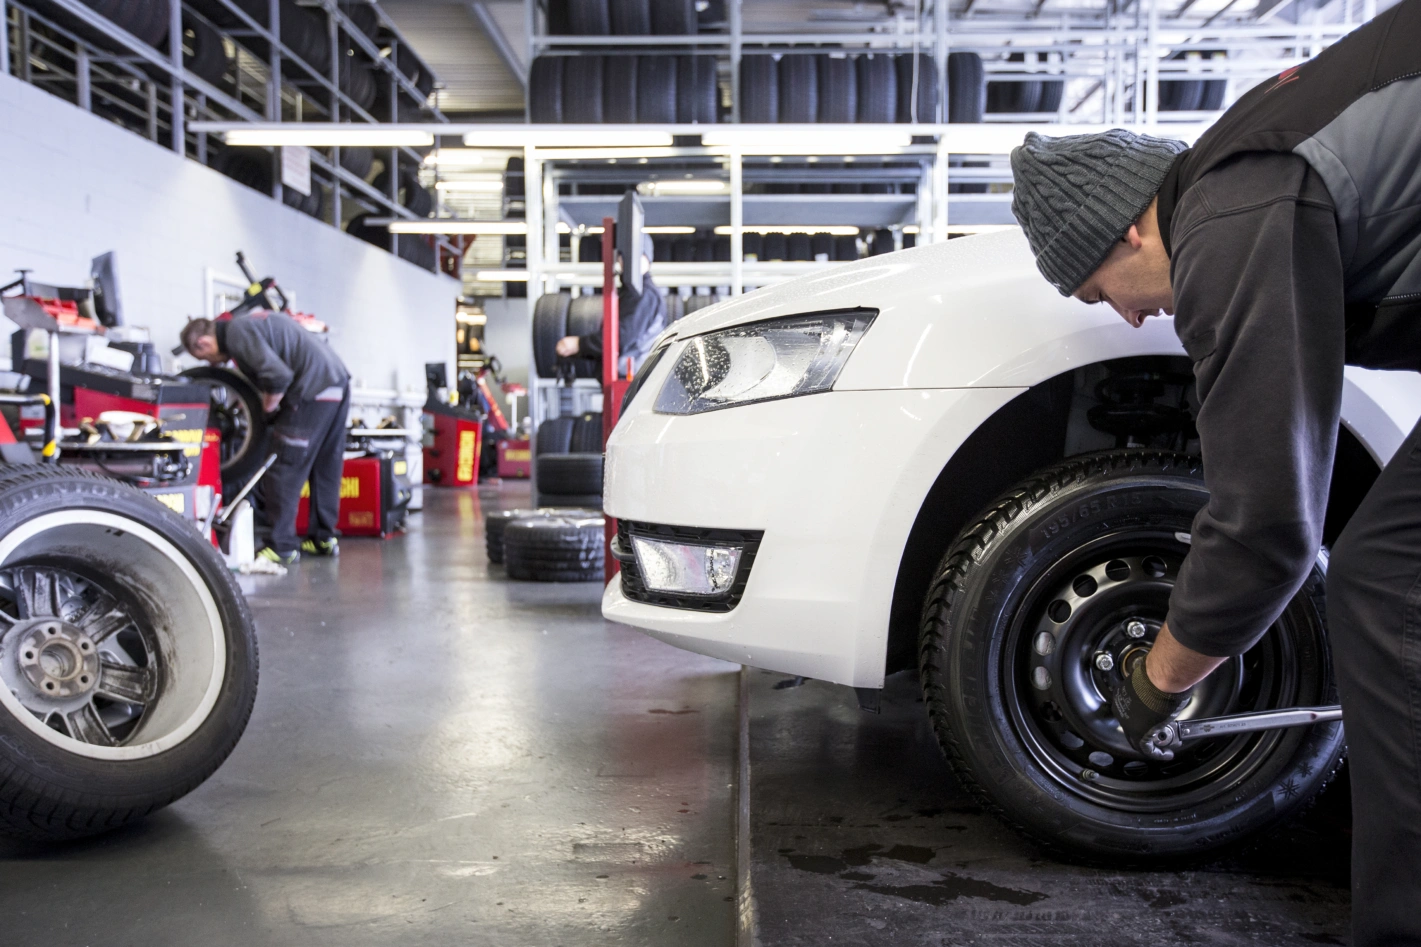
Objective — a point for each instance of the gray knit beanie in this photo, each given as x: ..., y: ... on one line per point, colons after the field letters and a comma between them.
x: 1076, y: 196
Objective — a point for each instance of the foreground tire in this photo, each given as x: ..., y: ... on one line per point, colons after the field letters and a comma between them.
x: 570, y: 474
x: 555, y: 549
x: 1056, y: 573
x: 127, y: 655
x: 549, y: 325
x: 236, y: 412
x: 496, y: 524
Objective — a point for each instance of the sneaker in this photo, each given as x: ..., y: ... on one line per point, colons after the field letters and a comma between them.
x: 271, y: 555
x: 321, y: 547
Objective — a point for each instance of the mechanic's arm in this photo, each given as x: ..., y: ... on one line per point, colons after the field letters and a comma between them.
x: 1259, y: 295
x: 273, y: 375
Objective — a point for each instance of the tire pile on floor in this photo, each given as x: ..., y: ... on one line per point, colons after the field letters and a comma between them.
x: 568, y: 458
x: 547, y: 545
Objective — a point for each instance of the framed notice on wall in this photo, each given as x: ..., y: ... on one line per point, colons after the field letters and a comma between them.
x: 296, y: 168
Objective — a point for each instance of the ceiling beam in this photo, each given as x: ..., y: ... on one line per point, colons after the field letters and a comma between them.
x: 500, y: 42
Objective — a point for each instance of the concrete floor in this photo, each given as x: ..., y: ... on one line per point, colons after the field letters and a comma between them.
x: 438, y: 757
x: 861, y: 835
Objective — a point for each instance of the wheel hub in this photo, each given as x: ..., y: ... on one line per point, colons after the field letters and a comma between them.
x: 56, y: 663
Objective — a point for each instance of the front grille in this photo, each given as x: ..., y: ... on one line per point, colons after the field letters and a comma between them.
x: 747, y: 539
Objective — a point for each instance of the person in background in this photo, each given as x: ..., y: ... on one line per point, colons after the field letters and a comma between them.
x: 307, y: 386
x: 641, y: 317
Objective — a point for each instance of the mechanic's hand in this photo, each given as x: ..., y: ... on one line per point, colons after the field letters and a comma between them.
x: 568, y: 346
x: 270, y: 402
x: 1143, y: 708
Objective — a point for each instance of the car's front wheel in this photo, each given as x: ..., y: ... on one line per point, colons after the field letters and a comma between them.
x: 1032, y: 617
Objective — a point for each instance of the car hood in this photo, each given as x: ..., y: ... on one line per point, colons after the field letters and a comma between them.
x: 876, y: 281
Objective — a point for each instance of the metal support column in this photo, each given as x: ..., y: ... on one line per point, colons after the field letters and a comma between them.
x: 84, y: 88
x: 1152, y: 64
x: 175, y: 87
x: 533, y: 263
x: 530, y: 30
x: 152, y: 111
x: 737, y: 220
x: 273, y: 90
x: 4, y: 38
x: 940, y: 208
x: 735, y: 56
x: 942, y: 11
x: 200, y: 154
x: 24, y: 45
x: 333, y: 36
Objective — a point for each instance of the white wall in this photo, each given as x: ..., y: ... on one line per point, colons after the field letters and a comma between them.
x: 509, y: 335
x: 73, y: 186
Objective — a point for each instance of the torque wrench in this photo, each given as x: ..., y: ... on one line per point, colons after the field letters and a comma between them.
x: 229, y: 508
x: 1174, y: 733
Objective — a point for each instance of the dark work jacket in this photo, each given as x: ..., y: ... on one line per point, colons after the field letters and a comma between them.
x: 1294, y: 231
x: 641, y: 317
x: 281, y: 357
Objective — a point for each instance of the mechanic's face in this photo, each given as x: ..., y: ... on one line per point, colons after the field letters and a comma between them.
x: 1134, y: 279
x: 205, y: 348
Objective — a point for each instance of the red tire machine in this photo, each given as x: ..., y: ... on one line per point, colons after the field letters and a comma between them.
x: 613, y: 387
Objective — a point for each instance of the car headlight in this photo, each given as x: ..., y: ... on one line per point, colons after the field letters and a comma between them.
x: 762, y: 361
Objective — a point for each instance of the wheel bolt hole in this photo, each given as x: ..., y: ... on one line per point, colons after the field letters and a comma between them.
x: 1085, y: 586
x: 1059, y: 610
x: 85, y: 646
x: 84, y: 679
x: 29, y: 655
x: 1117, y: 570
x: 1154, y: 567
x: 49, y: 685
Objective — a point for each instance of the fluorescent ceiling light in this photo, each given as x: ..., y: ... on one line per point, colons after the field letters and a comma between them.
x: 682, y: 187
x: 458, y: 157
x: 770, y: 140
x: 501, y: 276
x: 471, y: 187
x: 585, y: 231
x: 837, y: 231
x: 454, y: 226
x: 668, y: 230
x: 569, y: 137
x: 327, y: 135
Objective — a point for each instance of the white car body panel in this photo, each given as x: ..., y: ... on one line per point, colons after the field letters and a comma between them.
x: 836, y: 480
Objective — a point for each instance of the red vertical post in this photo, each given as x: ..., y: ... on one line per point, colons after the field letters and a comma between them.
x: 611, y: 350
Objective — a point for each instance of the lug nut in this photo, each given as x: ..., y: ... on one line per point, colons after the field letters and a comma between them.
x: 1136, y: 629
x: 1105, y: 661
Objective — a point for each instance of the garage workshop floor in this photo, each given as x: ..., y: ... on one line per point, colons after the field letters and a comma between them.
x: 439, y: 756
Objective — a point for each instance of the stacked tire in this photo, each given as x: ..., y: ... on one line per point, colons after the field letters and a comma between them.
x: 625, y: 17
x: 653, y: 89
x: 1040, y: 96
x: 840, y: 87
x: 568, y: 462
x: 564, y: 548
x: 1193, y: 95
x: 496, y: 523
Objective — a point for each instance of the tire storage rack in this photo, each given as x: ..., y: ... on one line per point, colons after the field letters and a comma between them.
x: 130, y: 61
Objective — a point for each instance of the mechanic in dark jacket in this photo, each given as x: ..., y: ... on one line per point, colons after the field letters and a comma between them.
x: 1286, y: 243
x: 306, y: 384
x: 640, y: 319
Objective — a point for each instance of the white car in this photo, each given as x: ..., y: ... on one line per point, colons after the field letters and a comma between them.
x: 931, y: 458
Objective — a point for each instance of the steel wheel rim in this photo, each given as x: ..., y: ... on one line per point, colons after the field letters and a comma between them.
x: 159, y: 599
x: 1072, y: 701
x: 233, y: 422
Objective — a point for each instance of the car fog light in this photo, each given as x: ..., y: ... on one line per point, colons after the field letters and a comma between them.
x: 682, y: 567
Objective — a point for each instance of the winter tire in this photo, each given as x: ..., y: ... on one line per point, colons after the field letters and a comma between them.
x: 555, y: 548
x: 545, y: 90
x: 799, y: 89
x: 966, y: 88
x: 695, y: 90
x: 656, y: 90
x: 877, y: 88
x: 630, y: 18
x: 549, y: 325
x: 587, y: 434
x: 554, y: 437
x: 759, y: 89
x: 127, y: 655
x: 589, y: 17
x: 674, y: 17
x: 582, y: 89
x: 570, y: 474
x: 1073, y: 564
x: 618, y: 96
x: 838, y: 89
x: 235, y: 410
x: 922, y: 107
x: 496, y: 523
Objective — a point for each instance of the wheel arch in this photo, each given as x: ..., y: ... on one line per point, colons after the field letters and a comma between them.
x: 1030, y: 432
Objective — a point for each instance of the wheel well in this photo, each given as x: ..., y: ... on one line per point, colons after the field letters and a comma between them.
x: 1039, y: 427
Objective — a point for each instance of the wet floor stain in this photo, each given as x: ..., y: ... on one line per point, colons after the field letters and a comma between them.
x: 857, y: 857
x: 950, y: 888
x: 674, y: 713
x: 789, y: 682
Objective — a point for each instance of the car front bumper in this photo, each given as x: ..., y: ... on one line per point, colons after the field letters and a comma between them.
x: 834, y: 481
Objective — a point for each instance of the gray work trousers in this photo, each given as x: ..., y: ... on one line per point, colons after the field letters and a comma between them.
x: 1374, y: 617
x: 309, y: 440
